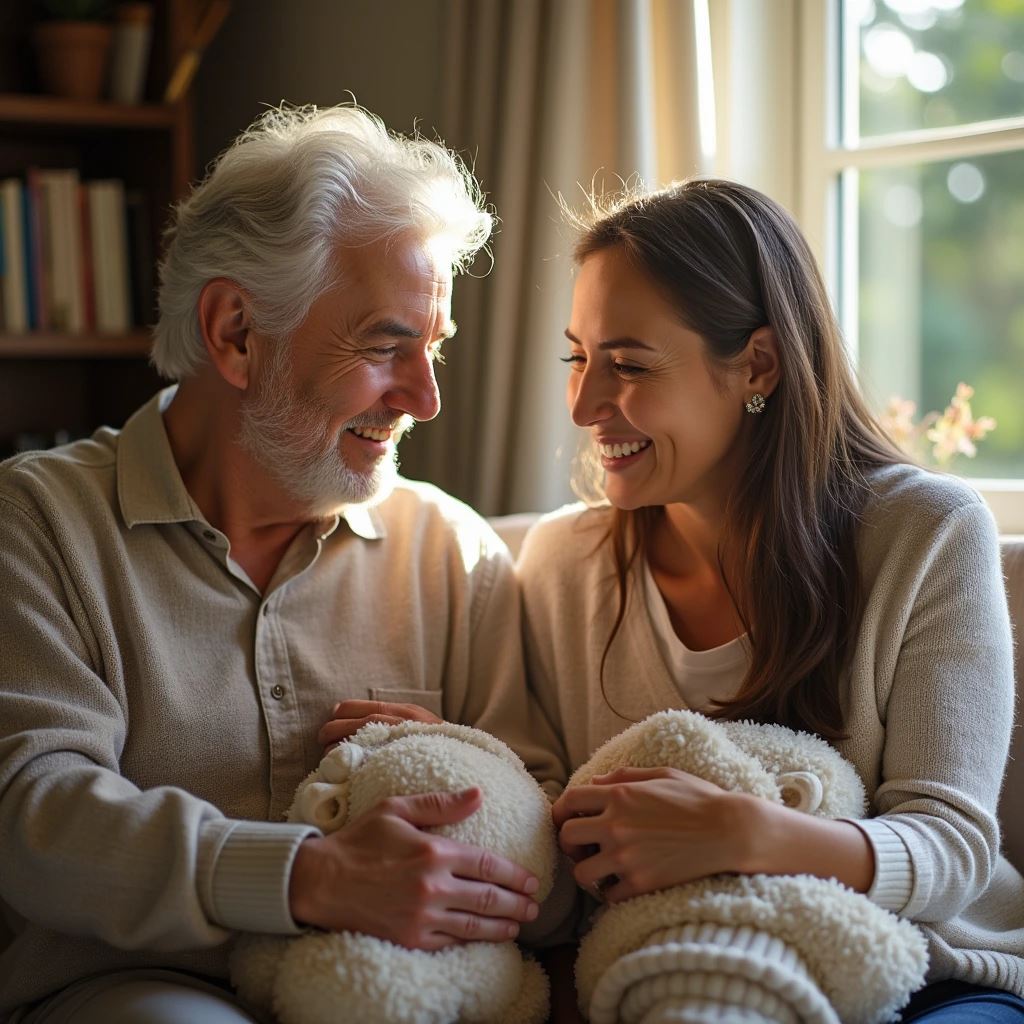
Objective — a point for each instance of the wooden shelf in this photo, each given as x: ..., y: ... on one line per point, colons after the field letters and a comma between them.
x: 53, y: 380
x: 44, y: 113
x: 53, y: 345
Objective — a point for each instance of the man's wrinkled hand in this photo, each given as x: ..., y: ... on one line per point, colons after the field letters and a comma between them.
x: 383, y: 875
x: 351, y: 715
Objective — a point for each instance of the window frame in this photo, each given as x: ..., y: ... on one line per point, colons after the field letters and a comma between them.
x: 827, y: 182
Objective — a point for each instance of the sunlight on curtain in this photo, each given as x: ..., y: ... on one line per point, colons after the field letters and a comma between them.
x: 753, y: 48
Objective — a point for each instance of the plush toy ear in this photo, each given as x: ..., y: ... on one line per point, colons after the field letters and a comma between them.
x: 322, y: 798
x: 338, y: 764
x: 802, y: 791
x: 323, y: 804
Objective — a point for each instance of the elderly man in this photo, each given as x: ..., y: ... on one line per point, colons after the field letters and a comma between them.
x: 195, y: 605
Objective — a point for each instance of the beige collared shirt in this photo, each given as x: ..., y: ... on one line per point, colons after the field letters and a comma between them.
x: 158, y: 711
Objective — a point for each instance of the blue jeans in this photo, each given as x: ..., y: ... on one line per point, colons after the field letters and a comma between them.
x: 956, y: 1002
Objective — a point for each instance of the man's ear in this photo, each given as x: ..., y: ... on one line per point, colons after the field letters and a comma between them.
x: 226, y: 325
x: 762, y: 357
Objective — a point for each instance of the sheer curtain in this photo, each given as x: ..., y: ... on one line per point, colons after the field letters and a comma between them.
x: 757, y: 102
x: 546, y: 98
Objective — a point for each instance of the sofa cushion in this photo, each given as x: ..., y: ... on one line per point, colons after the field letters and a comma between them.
x: 1011, y: 813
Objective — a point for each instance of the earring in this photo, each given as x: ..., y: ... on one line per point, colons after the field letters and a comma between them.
x: 756, y: 404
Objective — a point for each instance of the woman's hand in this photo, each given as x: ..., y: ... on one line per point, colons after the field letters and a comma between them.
x: 351, y: 715
x: 636, y: 830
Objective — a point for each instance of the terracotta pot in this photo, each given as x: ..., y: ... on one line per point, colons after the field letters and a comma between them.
x: 73, y: 57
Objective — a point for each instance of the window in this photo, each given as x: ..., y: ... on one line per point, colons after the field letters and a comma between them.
x: 912, y: 181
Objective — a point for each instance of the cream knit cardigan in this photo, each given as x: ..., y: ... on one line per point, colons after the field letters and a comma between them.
x: 928, y: 700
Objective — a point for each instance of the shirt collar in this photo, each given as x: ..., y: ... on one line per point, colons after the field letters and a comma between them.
x: 364, y: 521
x: 150, y: 488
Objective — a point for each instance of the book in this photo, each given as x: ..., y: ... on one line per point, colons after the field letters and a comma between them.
x: 30, y: 274
x: 133, y: 31
x: 88, y: 285
x: 15, y: 283
x: 109, y: 242
x: 37, y: 256
x: 63, y: 249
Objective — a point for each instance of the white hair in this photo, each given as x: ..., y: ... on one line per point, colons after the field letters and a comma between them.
x: 279, y: 201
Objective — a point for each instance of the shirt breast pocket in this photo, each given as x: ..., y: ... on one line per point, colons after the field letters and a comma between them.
x: 429, y: 699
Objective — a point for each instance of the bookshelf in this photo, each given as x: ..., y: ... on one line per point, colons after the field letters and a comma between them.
x: 55, y: 345
x: 51, y: 382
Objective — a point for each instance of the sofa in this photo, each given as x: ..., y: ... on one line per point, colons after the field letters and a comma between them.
x: 513, y: 528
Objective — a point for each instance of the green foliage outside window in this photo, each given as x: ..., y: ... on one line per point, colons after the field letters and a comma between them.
x: 942, y: 244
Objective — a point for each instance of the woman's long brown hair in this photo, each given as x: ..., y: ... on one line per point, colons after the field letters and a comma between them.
x: 731, y: 260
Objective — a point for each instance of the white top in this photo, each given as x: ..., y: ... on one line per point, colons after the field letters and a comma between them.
x: 700, y: 676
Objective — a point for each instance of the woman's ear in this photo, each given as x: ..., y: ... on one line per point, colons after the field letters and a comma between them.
x: 762, y: 357
x: 226, y: 325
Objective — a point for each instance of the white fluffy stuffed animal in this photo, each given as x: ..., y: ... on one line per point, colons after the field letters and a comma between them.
x: 322, y: 978
x: 747, y: 949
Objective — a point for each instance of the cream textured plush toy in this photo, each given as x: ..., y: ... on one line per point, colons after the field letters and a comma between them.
x: 746, y: 949
x: 322, y: 978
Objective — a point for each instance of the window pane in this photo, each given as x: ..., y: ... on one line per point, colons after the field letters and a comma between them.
x: 941, y: 301
x: 934, y: 63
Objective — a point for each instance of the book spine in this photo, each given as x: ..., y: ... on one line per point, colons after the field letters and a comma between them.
x: 121, y: 281
x: 100, y: 248
x: 72, y: 232
x: 66, y: 304
x: 87, y: 282
x: 54, y: 252
x: 39, y: 259
x: 133, y: 32
x: 31, y: 288
x: 16, y: 305
x: 110, y: 256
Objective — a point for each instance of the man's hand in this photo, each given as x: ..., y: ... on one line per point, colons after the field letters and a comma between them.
x: 383, y: 875
x: 351, y: 715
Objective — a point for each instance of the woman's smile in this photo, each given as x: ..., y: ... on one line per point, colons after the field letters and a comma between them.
x: 616, y: 455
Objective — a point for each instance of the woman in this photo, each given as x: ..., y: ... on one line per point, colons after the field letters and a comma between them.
x: 765, y: 552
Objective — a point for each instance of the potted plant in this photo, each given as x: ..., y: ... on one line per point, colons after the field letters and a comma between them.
x: 72, y: 40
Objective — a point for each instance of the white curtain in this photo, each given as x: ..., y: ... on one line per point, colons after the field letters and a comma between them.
x: 547, y: 97
x: 758, y: 106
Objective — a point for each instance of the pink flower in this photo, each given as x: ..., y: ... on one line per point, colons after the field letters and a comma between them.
x: 952, y: 433
x: 956, y: 430
x: 898, y: 420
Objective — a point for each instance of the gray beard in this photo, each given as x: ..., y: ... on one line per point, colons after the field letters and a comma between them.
x: 294, y: 442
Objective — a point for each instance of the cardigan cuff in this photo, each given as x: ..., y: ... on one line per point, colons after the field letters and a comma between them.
x: 243, y: 884
x: 893, y: 883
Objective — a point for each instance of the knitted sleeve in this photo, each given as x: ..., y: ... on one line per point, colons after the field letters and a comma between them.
x: 947, y: 720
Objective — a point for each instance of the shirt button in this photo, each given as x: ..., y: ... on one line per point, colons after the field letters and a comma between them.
x: 277, y: 691
x: 209, y: 535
